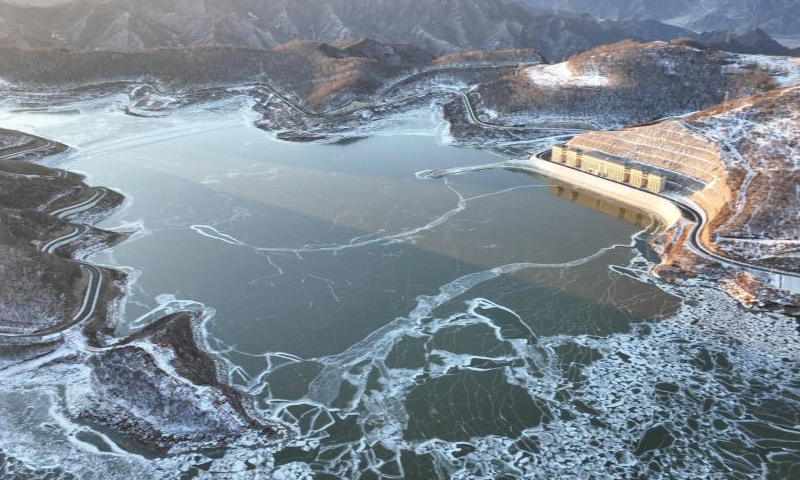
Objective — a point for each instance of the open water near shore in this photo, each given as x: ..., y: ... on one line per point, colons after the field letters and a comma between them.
x: 476, y: 323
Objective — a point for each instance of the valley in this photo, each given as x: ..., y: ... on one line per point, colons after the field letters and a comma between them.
x: 422, y: 251
x: 296, y: 240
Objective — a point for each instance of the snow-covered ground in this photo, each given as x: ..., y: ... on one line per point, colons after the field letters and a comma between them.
x: 560, y: 75
x: 784, y: 70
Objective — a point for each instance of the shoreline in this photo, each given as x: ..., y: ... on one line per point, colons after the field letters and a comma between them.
x: 670, y: 207
x: 190, y: 322
x: 163, y: 356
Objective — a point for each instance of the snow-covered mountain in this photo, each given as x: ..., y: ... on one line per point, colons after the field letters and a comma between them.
x: 441, y: 26
x: 779, y: 18
x: 631, y: 83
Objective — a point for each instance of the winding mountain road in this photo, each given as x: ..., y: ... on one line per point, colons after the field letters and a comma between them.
x: 381, y: 94
x: 44, y: 147
x: 87, y: 309
x: 95, y: 275
x: 699, y: 217
x: 68, y: 211
x: 59, y: 242
x: 544, y: 126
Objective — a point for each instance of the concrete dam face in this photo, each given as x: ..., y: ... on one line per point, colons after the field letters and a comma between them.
x: 602, y: 204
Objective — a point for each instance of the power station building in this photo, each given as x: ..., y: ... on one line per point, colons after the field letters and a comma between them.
x: 608, y: 166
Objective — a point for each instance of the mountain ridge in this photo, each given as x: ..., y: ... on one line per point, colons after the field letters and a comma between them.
x: 777, y: 17
x: 441, y: 27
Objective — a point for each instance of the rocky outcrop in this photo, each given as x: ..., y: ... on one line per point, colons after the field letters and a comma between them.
x: 160, y: 389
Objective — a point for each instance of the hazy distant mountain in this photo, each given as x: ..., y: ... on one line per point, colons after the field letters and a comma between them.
x: 755, y: 41
x: 776, y: 17
x: 39, y: 3
x: 440, y: 26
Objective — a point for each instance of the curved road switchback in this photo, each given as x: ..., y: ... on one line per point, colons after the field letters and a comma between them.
x: 701, y: 221
x: 65, y: 212
x: 87, y: 308
x: 93, y: 288
x: 59, y: 242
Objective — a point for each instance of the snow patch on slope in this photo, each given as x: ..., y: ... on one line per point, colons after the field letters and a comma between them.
x: 785, y: 70
x: 560, y: 75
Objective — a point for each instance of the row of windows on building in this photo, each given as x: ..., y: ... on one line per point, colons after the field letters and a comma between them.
x: 609, y: 166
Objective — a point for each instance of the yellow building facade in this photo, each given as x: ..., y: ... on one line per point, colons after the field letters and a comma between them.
x: 614, y: 168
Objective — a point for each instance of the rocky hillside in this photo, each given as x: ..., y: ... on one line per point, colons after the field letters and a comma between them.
x: 319, y: 76
x: 778, y: 17
x: 318, y: 73
x: 630, y: 83
x: 440, y: 27
x: 740, y: 162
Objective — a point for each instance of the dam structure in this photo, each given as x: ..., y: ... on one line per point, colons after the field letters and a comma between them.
x: 601, y: 204
x: 610, y: 176
x: 610, y: 167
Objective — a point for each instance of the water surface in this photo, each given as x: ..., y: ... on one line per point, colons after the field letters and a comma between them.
x: 487, y: 323
x: 361, y: 302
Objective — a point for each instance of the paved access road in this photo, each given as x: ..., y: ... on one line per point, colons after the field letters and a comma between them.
x: 567, y: 128
x: 93, y: 289
x: 42, y: 148
x: 99, y: 194
x: 59, y: 242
